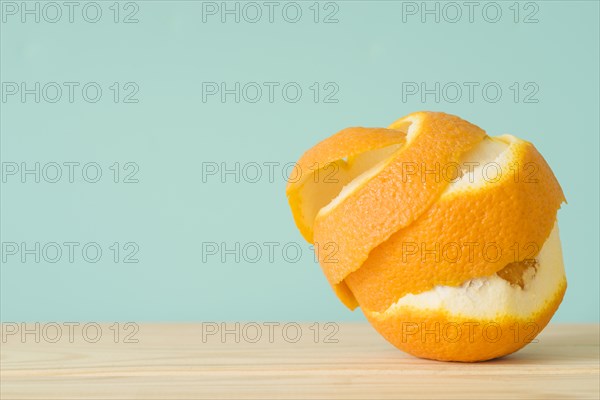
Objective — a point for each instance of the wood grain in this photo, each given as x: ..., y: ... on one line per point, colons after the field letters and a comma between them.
x: 175, y: 361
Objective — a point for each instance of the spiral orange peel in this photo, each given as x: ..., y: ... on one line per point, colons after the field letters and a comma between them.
x: 412, y: 212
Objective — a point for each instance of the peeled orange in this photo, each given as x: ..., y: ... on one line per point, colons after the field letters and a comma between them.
x: 446, y: 237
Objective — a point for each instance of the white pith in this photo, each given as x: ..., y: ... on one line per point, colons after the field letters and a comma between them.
x: 479, y: 164
x: 494, y: 297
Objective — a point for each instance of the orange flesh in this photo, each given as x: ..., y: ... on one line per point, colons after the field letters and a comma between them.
x: 513, y: 272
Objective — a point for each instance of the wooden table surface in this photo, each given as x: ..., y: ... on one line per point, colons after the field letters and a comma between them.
x: 345, y: 360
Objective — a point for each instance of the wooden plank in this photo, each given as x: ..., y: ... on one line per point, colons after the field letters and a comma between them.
x: 349, y: 361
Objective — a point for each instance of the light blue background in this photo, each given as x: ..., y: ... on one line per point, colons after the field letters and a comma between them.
x: 171, y: 132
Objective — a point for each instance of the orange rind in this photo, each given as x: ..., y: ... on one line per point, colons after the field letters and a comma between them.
x: 322, y: 172
x: 436, y: 226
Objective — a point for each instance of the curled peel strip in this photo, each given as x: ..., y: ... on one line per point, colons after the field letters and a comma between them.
x: 333, y: 163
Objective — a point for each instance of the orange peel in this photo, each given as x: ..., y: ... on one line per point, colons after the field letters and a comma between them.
x: 411, y: 213
x: 322, y: 171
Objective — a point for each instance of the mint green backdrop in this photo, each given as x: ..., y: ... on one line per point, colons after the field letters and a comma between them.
x: 363, y: 65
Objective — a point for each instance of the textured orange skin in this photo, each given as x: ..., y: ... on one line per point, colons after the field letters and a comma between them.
x: 407, y: 330
x: 515, y: 210
x: 346, y: 143
x: 385, y: 203
x: 371, y: 224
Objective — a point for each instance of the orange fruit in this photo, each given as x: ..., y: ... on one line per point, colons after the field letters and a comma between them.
x: 435, y: 228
